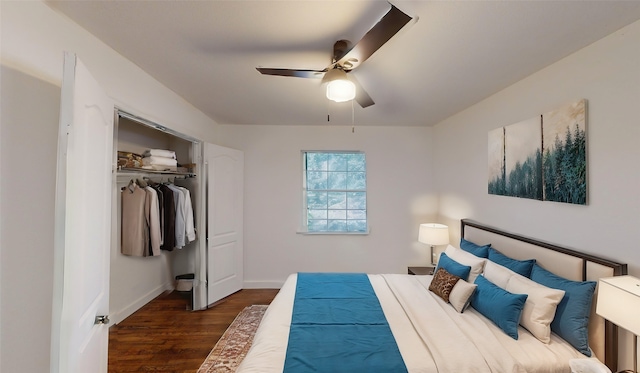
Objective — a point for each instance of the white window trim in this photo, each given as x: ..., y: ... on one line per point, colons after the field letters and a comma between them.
x: 303, y: 228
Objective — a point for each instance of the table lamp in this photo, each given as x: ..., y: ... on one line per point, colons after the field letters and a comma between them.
x: 433, y: 234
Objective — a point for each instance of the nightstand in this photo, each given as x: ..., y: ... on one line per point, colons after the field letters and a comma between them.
x: 420, y: 270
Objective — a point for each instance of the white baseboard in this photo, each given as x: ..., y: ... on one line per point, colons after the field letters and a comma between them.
x: 262, y: 284
x: 117, y: 316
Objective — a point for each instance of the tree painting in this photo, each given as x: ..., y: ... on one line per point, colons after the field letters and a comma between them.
x: 543, y: 158
x: 564, y: 160
x: 497, y: 172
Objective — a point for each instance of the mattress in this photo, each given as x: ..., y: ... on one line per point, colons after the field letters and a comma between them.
x: 430, y: 334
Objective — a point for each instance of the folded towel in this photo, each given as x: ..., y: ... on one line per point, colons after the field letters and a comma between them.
x: 159, y: 153
x: 159, y: 161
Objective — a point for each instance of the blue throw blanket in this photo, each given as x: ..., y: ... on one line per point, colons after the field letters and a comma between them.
x: 338, y: 326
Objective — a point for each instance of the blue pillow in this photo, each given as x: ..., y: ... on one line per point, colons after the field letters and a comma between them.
x: 453, y: 267
x: 522, y: 267
x: 498, y: 305
x: 571, y: 321
x: 477, y: 250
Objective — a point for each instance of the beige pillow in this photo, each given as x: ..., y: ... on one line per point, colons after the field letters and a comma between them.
x: 460, y: 295
x: 540, y: 307
x: 468, y: 259
x: 498, y: 274
x: 442, y: 283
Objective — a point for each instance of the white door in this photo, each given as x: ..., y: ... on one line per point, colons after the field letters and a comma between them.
x: 225, y: 185
x: 83, y: 223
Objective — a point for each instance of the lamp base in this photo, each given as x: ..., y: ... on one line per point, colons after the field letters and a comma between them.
x: 433, y: 262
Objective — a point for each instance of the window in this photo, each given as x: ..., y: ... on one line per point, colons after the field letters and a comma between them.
x: 335, y: 192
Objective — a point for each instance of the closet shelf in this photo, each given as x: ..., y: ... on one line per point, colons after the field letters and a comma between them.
x: 128, y: 171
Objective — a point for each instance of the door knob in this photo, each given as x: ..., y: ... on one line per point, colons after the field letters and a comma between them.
x: 102, y: 320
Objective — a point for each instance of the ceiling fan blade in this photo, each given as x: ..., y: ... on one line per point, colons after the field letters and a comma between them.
x: 375, y: 38
x: 362, y: 97
x: 316, y: 74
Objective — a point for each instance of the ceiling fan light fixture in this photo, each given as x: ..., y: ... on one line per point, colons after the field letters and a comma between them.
x: 339, y: 87
x: 341, y: 90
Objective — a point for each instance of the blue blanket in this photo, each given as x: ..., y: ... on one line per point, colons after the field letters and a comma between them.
x: 338, y: 326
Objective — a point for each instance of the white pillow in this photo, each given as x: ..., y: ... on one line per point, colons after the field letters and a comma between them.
x: 498, y: 274
x: 460, y: 295
x: 540, y: 307
x: 468, y: 259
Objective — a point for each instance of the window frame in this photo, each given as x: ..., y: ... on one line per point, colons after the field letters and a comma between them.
x: 304, y: 229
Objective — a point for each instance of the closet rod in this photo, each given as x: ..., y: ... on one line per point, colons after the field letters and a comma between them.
x: 125, y: 177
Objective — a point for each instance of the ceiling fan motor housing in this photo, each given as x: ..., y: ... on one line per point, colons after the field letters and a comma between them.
x: 340, y: 49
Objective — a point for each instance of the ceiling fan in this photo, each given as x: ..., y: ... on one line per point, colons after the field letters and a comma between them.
x: 346, y: 58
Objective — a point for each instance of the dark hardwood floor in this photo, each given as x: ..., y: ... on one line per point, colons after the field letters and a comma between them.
x: 164, y: 337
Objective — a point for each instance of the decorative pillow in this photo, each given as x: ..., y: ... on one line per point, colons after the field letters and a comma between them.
x: 460, y: 296
x: 571, y: 321
x: 453, y: 267
x: 498, y: 305
x: 477, y: 250
x: 540, y: 307
x: 522, y: 267
x: 497, y: 274
x: 442, y: 283
x: 465, y: 258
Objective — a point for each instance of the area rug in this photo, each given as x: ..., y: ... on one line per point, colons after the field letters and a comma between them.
x: 234, y: 344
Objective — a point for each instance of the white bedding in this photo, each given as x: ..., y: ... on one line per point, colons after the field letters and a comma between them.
x: 431, y: 336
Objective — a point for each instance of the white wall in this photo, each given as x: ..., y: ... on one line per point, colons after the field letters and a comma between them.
x: 607, y: 74
x: 33, y: 40
x: 400, y: 197
x: 27, y: 194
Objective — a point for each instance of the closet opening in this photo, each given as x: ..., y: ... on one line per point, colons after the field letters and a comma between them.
x: 154, y: 159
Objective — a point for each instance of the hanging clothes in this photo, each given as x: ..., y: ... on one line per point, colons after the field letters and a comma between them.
x: 152, y: 212
x: 179, y: 216
x: 190, y: 229
x: 155, y: 217
x: 156, y: 187
x: 169, y: 214
x: 135, y: 227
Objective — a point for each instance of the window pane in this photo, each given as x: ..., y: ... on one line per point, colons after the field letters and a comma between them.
x: 356, y: 214
x: 356, y: 180
x: 356, y: 162
x: 317, y: 225
x: 337, y: 200
x: 337, y: 181
x: 357, y: 200
x: 317, y: 214
x: 338, y: 214
x: 317, y: 161
x: 317, y: 200
x: 357, y: 225
x: 335, y: 191
x: 337, y: 162
x: 337, y: 225
x: 316, y: 180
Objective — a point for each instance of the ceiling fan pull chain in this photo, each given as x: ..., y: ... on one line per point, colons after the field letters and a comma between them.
x: 353, y: 125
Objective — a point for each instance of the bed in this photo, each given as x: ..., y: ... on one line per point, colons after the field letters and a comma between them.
x: 431, y: 334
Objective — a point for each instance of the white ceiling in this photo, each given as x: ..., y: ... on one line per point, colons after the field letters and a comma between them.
x: 456, y: 54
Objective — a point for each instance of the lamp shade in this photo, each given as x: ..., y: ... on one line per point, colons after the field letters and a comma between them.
x: 433, y: 234
x: 339, y: 87
x: 619, y: 301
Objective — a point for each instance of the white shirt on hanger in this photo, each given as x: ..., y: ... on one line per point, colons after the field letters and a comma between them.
x: 190, y: 229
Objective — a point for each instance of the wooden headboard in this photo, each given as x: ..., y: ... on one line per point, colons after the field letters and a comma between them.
x: 565, y: 262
